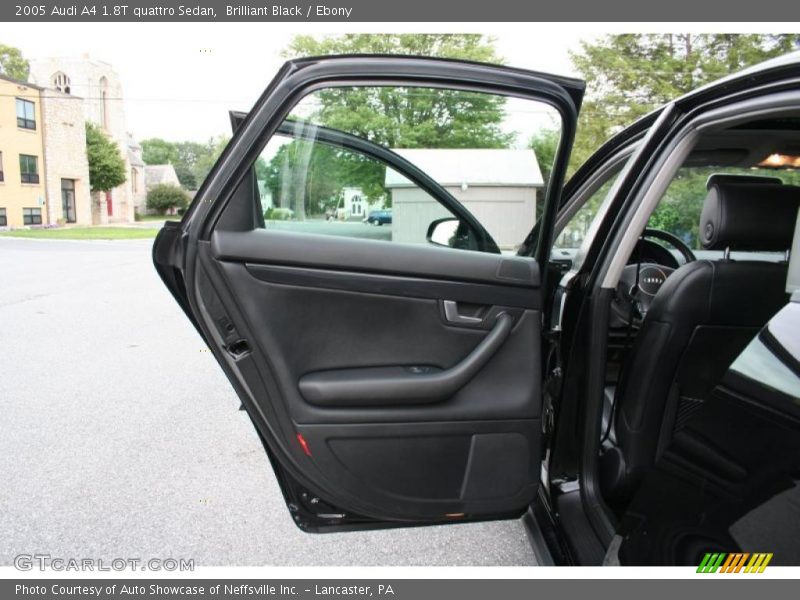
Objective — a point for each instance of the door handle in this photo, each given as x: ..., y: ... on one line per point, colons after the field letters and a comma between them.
x: 400, y: 385
x: 452, y: 315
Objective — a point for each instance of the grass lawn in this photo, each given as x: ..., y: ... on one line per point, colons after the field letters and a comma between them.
x: 85, y: 233
x: 156, y: 217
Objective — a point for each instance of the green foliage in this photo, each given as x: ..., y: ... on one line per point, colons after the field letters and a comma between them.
x: 464, y: 46
x: 205, y: 160
x: 186, y: 176
x: 192, y: 160
x: 165, y: 196
x: 156, y: 151
x: 278, y: 214
x: 106, y: 166
x: 415, y: 117
x: 545, y: 144
x: 307, y: 177
x: 13, y: 64
x: 629, y: 75
x: 390, y: 116
x: 84, y: 233
x: 679, y: 209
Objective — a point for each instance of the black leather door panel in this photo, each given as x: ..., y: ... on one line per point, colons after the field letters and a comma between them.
x: 433, y: 470
x: 304, y: 330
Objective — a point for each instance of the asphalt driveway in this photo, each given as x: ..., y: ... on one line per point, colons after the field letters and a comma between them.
x: 120, y: 436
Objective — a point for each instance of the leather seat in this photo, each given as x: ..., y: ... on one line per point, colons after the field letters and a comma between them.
x: 700, y: 320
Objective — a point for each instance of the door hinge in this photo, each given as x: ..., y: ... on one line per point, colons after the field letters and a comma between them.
x: 238, y: 348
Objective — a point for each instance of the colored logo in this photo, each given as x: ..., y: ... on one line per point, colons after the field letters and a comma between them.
x: 734, y: 562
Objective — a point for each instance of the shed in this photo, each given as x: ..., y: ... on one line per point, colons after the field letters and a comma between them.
x: 498, y: 186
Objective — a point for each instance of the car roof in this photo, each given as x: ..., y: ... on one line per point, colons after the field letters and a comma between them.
x: 785, y: 60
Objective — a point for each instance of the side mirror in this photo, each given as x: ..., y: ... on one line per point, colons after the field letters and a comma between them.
x: 444, y: 232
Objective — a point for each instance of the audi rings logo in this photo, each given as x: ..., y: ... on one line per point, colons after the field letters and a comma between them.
x: 650, y: 280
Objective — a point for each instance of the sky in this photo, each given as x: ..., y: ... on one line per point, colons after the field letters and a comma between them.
x: 180, y: 80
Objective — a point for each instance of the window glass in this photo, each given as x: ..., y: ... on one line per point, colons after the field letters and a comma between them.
x: 3, y: 218
x: 760, y: 364
x: 388, y: 163
x: 678, y: 211
x: 26, y: 114
x: 28, y: 168
x: 31, y: 216
x: 311, y: 186
x: 573, y: 234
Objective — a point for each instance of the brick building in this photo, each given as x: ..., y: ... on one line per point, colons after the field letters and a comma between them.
x: 96, y: 88
x: 65, y: 166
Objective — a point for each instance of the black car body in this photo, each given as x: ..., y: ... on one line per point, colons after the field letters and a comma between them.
x: 498, y: 404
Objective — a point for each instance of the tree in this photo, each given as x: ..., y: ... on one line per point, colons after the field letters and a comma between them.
x: 397, y: 117
x: 463, y: 46
x: 629, y: 75
x: 307, y: 177
x: 192, y: 160
x: 679, y: 209
x: 106, y: 166
x: 156, y: 151
x: 545, y: 144
x: 165, y: 196
x: 206, y: 155
x: 410, y: 117
x: 186, y: 176
x: 13, y: 64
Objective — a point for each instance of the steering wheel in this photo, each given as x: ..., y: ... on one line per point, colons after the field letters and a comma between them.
x: 641, y: 281
x: 673, y: 240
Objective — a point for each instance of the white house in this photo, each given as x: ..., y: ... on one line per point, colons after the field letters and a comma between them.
x: 499, y: 187
x: 356, y: 205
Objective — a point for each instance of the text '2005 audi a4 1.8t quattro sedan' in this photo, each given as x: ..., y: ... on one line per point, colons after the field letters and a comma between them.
x: 509, y: 344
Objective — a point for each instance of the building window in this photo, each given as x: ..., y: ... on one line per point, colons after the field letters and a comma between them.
x: 68, y: 200
x: 2, y: 176
x: 61, y: 82
x: 26, y: 114
x: 104, y: 102
x: 28, y: 168
x: 31, y: 216
x: 3, y: 218
x: 134, y: 180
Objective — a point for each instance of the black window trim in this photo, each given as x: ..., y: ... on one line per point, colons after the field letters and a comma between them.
x: 29, y: 176
x: 24, y: 122
x: 31, y: 218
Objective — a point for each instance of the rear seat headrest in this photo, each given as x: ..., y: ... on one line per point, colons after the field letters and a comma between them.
x: 749, y: 216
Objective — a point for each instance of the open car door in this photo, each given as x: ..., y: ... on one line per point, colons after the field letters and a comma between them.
x: 392, y: 372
